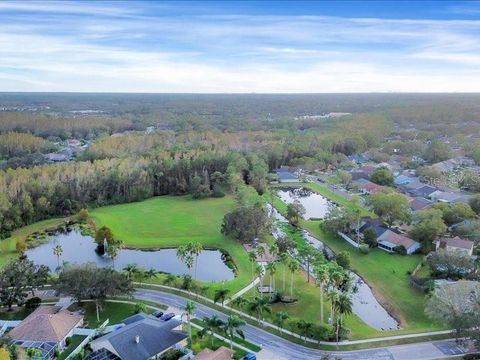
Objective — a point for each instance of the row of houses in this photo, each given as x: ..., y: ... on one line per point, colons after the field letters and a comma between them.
x: 138, y: 337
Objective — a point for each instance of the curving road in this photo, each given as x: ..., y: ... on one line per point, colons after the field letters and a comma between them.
x: 277, y: 348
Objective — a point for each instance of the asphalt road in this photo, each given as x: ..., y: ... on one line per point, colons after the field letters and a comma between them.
x: 277, y: 348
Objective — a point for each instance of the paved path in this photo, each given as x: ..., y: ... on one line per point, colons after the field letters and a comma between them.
x: 243, y: 291
x: 276, y: 348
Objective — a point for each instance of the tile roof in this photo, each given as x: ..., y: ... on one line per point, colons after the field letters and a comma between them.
x: 456, y: 242
x: 47, y: 324
x: 222, y: 353
x: 396, y: 239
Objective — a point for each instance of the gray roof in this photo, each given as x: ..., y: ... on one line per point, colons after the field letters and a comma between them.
x: 155, y: 336
x: 284, y: 175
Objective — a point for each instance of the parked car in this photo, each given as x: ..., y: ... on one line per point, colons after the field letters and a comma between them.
x: 158, y: 314
x: 167, y: 317
x: 250, y: 356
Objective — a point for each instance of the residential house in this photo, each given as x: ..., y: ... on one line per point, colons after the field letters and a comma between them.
x: 390, y: 240
x: 46, y: 329
x: 143, y: 337
x: 419, y: 203
x: 445, y: 197
x: 403, y: 180
x: 423, y: 191
x: 222, y: 353
x: 53, y: 157
x: 455, y: 244
x: 368, y: 187
x: 453, y: 164
x: 376, y: 224
x: 358, y: 159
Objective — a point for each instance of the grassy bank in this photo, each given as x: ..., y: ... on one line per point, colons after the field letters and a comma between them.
x: 7, y: 246
x: 170, y: 221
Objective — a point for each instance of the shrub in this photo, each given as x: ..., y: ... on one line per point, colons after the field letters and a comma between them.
x: 140, y: 307
x: 370, y: 237
x: 343, y: 259
x: 21, y: 245
x: 400, y: 250
x: 364, y: 249
x: 33, y: 302
x: 83, y: 215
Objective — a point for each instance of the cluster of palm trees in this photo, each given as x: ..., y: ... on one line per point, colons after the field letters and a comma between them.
x: 213, y: 324
x: 132, y: 271
x: 335, y: 282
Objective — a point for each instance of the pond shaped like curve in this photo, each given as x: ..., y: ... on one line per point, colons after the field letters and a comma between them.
x: 79, y: 249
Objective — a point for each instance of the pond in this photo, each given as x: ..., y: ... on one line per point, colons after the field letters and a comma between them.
x: 79, y: 249
x: 316, y: 206
x: 364, y: 303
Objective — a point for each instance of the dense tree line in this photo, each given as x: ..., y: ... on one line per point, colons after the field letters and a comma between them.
x: 28, y: 195
x: 20, y: 144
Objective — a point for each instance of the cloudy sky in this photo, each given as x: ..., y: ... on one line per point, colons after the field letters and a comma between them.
x: 245, y: 47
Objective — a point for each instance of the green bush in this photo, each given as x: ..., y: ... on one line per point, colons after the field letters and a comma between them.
x: 364, y: 249
x: 33, y: 303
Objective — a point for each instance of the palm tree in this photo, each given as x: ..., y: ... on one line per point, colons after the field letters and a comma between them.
x: 189, y: 310
x: 344, y: 307
x: 58, y: 251
x: 151, y: 273
x: 260, y: 250
x: 321, y: 273
x: 130, y: 270
x: 284, y: 258
x: 273, y: 249
x: 182, y: 253
x: 170, y: 280
x: 221, y: 295
x: 333, y: 298
x: 112, y: 252
x: 240, y: 302
x: 272, y: 269
x: 211, y: 325
x: 280, y: 318
x: 259, y: 305
x: 305, y: 327
x: 252, y: 256
x: 293, y: 266
x: 232, y: 326
x: 259, y: 273
x: 195, y: 249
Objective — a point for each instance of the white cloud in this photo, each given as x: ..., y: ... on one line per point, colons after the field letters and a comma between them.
x: 114, y: 48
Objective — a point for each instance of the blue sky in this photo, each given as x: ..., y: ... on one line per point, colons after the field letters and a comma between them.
x: 265, y: 47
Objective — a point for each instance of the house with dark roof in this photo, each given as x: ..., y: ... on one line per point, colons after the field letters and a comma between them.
x: 376, y: 224
x: 424, y: 191
x: 419, y: 203
x: 46, y: 329
x: 455, y: 244
x: 142, y: 337
x: 390, y: 240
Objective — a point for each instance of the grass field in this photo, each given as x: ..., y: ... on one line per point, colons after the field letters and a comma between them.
x: 7, y: 246
x: 170, y: 221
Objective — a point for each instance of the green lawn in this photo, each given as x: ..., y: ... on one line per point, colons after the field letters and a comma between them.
x: 170, y: 221
x: 17, y: 313
x: 7, y: 246
x: 115, y: 312
x: 75, y: 340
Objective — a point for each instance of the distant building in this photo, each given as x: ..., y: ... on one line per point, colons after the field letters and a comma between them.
x: 287, y: 174
x: 53, y: 157
x: 456, y: 244
x: 143, y: 337
x: 419, y: 203
x: 368, y: 187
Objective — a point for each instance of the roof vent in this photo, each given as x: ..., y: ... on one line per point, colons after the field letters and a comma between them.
x: 137, y: 339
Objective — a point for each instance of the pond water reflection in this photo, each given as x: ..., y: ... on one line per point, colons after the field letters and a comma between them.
x: 316, y: 206
x: 79, y: 249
